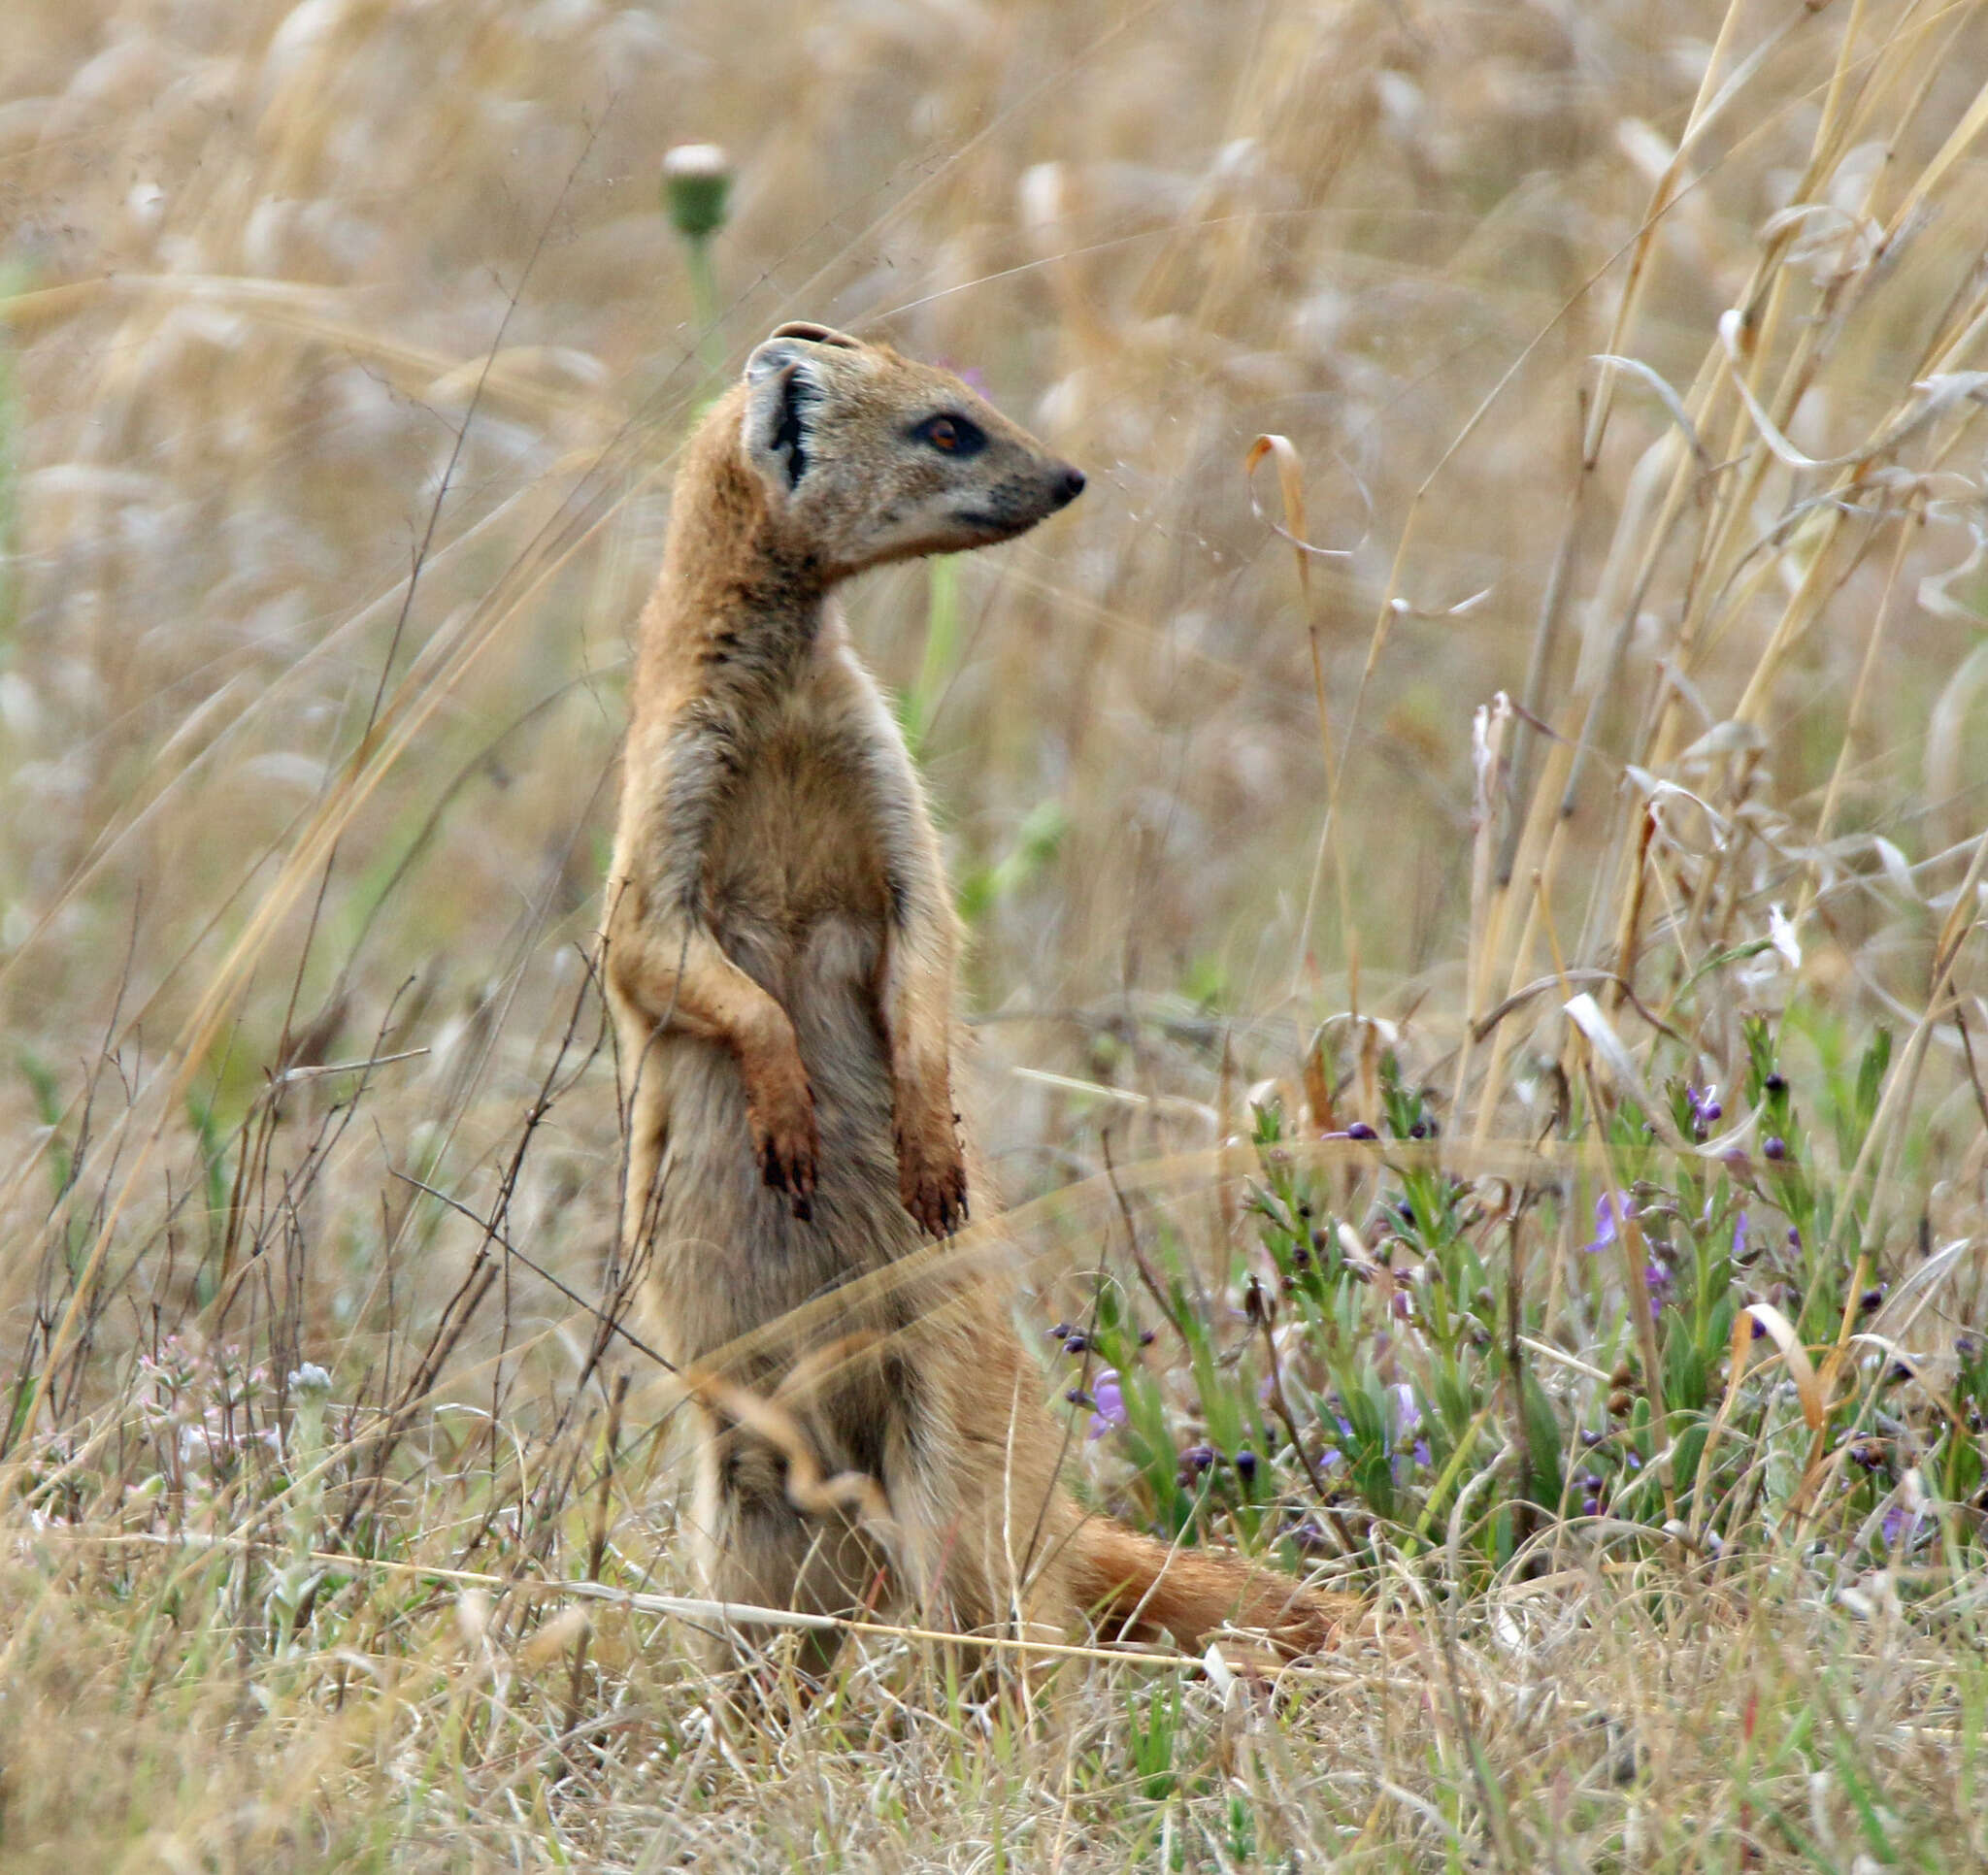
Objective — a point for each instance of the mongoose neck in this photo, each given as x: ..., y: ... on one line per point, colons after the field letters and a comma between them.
x: 749, y: 601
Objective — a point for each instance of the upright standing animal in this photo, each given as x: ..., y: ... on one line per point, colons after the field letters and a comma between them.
x: 780, y: 950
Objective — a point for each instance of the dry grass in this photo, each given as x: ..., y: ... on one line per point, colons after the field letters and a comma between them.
x: 343, y: 355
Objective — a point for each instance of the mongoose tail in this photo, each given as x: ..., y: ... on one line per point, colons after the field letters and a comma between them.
x: 1144, y: 1590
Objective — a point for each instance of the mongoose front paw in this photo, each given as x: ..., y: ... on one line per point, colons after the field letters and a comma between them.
x: 932, y: 1181
x: 784, y: 1138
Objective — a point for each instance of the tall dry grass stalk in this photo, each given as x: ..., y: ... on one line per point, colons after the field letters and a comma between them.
x: 1429, y: 939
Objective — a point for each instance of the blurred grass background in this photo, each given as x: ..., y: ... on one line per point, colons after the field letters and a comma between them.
x: 344, y: 353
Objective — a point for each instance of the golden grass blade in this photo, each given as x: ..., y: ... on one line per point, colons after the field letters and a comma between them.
x: 1959, y: 142
x: 1738, y: 1350
x: 1292, y: 489
x: 1586, y: 1015
x: 1808, y: 1388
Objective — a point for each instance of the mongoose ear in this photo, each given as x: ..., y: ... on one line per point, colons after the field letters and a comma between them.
x: 774, y: 354
x: 786, y: 343
x: 780, y: 395
x: 820, y: 335
x: 784, y: 383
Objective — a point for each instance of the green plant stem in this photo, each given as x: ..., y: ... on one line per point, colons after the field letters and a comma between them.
x: 941, y: 648
x: 704, y: 296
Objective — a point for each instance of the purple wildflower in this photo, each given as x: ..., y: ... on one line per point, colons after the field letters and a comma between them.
x: 1245, y: 1464
x: 1611, y: 1212
x: 1360, y: 1130
x: 1405, y: 1421
x: 1740, y: 1236
x: 1331, y: 1456
x: 1776, y: 1147
x: 1900, y: 1525
x: 1704, y: 1108
x: 1408, y: 1416
x: 1109, y: 1398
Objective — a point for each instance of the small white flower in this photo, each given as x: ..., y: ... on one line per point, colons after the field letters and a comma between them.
x: 311, y: 1384
x: 1781, y: 933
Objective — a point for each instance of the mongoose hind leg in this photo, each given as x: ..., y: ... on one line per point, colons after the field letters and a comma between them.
x: 970, y: 1472
x: 753, y: 1546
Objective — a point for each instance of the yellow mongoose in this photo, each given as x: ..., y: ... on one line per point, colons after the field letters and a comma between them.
x: 778, y: 957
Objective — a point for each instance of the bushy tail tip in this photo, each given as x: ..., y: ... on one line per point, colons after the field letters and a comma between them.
x: 1143, y: 1590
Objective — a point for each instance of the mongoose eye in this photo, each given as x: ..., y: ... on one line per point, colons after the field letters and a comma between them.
x: 954, y: 434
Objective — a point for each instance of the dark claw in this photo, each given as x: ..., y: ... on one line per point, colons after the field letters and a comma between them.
x: 936, y: 1199
x: 796, y: 1179
x: 945, y: 1214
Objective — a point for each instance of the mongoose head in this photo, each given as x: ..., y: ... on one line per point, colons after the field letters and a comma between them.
x: 867, y: 455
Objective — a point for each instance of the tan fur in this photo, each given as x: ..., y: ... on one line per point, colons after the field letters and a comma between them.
x: 779, y: 961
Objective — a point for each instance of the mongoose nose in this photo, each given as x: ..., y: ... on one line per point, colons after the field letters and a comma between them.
x: 1069, y: 488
